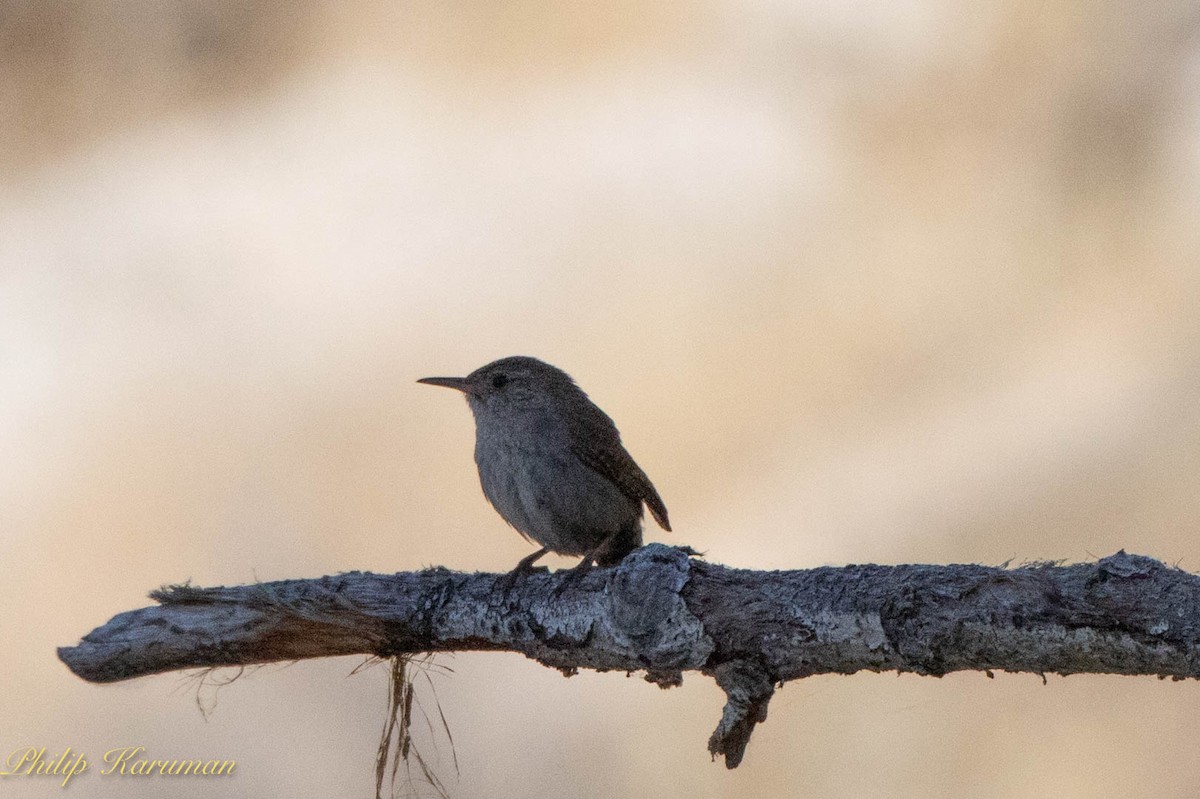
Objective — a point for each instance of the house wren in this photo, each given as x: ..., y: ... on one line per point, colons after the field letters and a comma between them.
x: 552, y: 464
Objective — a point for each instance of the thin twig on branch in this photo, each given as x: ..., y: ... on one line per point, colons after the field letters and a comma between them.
x: 663, y: 613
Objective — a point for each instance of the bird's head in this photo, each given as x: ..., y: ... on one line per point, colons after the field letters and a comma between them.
x: 513, y: 384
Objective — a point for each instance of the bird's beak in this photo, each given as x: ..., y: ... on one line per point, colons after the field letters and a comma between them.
x: 458, y: 383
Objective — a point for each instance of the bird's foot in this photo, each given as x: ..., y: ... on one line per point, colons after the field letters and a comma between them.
x: 572, y: 576
x: 523, y: 569
x: 582, y: 567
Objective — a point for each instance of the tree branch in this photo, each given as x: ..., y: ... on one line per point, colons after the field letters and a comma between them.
x: 663, y: 613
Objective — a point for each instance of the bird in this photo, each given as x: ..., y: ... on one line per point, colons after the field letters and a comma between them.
x: 552, y: 463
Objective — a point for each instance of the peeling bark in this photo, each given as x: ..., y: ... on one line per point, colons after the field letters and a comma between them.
x: 663, y: 613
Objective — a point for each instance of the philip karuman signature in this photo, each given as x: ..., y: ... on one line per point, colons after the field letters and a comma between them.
x: 123, y: 761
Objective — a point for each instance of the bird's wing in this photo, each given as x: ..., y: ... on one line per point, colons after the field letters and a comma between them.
x: 596, y: 442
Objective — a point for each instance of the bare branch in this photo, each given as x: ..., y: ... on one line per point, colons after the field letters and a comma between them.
x: 663, y: 613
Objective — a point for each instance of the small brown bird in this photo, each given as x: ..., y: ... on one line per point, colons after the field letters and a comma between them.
x: 552, y: 463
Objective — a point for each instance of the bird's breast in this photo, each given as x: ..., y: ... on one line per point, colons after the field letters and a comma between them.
x: 539, y: 486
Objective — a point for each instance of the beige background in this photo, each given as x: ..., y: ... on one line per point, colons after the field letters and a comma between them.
x: 894, y: 283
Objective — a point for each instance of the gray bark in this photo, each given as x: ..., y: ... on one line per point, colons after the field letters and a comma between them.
x: 663, y: 613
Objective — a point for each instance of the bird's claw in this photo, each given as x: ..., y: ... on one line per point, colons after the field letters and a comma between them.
x: 509, y: 581
x: 572, y: 576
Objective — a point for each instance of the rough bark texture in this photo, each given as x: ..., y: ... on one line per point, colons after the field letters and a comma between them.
x: 664, y: 613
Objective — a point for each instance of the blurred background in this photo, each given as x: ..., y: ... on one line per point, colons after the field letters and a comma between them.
x: 893, y: 282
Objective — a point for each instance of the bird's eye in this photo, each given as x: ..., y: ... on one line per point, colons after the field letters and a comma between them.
x: 499, y: 381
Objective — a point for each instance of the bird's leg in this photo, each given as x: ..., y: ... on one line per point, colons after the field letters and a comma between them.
x: 525, y: 566
x: 526, y: 563
x: 584, y: 565
x: 603, y: 553
x: 576, y: 572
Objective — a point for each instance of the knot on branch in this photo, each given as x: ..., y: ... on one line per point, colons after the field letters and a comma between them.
x: 647, y: 614
x: 1126, y: 566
